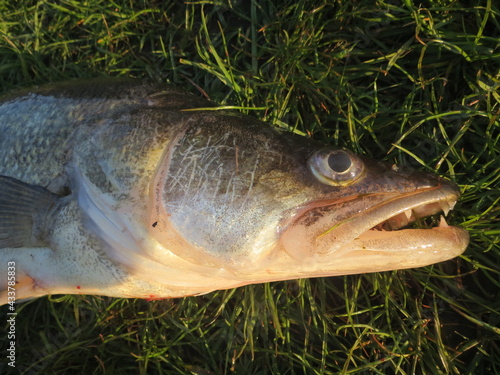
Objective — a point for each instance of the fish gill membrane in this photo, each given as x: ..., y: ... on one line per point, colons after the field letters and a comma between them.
x: 130, y: 189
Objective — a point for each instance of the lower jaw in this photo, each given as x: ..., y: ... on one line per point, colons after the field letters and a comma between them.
x: 435, y: 244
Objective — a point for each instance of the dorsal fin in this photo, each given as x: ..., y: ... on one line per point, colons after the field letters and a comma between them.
x: 23, y: 207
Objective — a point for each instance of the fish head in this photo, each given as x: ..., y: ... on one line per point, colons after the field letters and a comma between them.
x: 361, y: 225
x: 259, y: 206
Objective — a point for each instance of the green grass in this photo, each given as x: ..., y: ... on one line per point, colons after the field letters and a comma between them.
x: 402, y: 81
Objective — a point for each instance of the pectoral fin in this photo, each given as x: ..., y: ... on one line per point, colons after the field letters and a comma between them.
x: 23, y: 209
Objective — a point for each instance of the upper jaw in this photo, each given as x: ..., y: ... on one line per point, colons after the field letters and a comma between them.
x: 401, y: 211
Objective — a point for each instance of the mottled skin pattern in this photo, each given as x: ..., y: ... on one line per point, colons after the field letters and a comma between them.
x: 155, y: 200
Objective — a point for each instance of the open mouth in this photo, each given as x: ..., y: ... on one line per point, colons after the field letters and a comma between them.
x: 405, y: 215
x: 425, y: 217
x: 388, y: 228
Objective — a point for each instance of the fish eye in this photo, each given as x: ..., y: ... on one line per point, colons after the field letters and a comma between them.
x: 335, y: 167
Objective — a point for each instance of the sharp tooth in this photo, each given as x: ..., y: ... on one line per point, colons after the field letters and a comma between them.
x: 446, y: 208
x: 408, y: 214
x: 443, y: 223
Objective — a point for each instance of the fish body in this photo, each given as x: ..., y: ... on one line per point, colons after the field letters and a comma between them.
x: 129, y: 189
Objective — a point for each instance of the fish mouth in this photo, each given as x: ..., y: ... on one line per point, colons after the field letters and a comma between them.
x: 399, y: 212
x: 414, y: 214
x: 372, y: 232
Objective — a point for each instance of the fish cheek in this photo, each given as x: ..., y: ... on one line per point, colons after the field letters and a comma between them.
x: 208, y: 233
x: 206, y: 196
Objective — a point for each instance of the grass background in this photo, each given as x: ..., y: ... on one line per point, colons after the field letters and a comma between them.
x: 408, y: 82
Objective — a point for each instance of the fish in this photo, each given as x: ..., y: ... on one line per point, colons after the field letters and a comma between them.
x: 125, y: 188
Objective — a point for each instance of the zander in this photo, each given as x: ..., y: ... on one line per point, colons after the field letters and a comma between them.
x: 128, y: 189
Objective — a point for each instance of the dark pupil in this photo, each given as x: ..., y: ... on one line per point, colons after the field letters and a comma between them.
x: 339, y: 162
